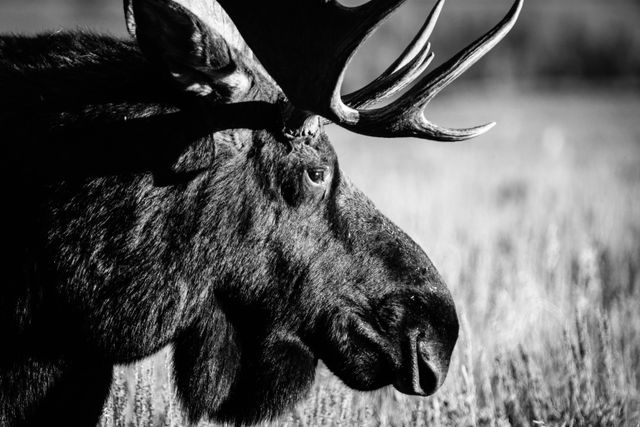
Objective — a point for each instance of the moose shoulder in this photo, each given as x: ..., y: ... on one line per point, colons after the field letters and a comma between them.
x: 166, y: 190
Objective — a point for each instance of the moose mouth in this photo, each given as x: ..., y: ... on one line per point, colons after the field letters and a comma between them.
x: 409, y: 363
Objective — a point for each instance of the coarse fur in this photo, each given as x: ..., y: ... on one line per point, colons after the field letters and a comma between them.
x: 142, y: 214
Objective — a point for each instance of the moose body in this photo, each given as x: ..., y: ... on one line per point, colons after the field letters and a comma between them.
x: 165, y: 191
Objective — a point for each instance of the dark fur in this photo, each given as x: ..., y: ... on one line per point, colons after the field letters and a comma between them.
x: 136, y: 221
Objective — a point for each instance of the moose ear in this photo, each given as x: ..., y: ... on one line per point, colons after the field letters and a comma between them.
x: 198, y: 58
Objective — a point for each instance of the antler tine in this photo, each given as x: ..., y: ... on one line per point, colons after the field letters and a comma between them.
x: 441, y: 77
x: 413, y: 61
x: 421, y: 38
x: 386, y: 85
x: 404, y: 117
x: 129, y: 18
x: 361, y: 22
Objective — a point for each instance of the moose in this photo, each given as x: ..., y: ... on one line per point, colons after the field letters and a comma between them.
x: 178, y: 188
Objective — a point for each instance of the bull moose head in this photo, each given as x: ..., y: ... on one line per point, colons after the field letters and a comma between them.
x: 242, y: 244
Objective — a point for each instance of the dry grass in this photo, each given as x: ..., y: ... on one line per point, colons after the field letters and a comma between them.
x: 536, y: 228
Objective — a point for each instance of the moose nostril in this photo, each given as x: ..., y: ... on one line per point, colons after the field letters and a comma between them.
x: 422, y: 371
x: 427, y: 376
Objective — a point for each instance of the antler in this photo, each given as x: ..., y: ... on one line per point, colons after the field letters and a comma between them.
x: 306, y: 48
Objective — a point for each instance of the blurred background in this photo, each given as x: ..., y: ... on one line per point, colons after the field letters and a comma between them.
x: 556, y: 42
x: 535, y: 226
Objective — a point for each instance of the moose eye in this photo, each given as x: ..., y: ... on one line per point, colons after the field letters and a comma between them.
x: 316, y: 175
x: 315, y: 181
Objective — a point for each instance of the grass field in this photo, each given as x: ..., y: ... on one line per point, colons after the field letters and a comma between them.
x: 536, y: 228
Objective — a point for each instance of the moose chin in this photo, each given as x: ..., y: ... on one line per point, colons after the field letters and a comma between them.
x: 178, y: 188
